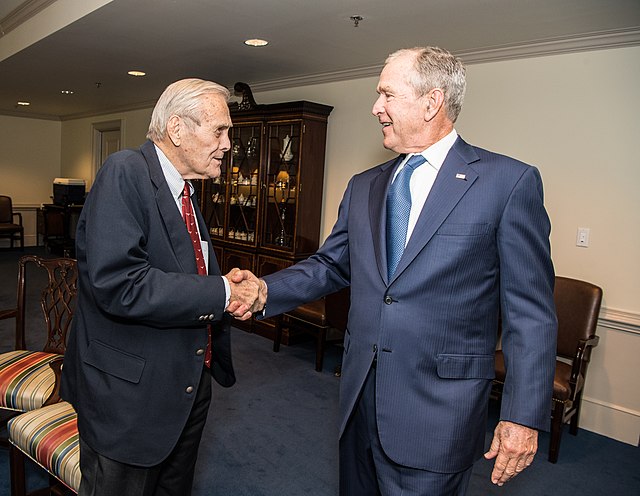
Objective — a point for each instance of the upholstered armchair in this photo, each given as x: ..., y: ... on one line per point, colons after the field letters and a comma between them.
x: 577, y: 308
x: 49, y: 437
x: 27, y: 382
x: 39, y: 425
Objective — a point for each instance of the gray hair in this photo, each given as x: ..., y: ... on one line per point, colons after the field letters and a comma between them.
x: 437, y: 68
x: 181, y: 98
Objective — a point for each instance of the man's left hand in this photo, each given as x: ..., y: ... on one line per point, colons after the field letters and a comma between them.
x: 513, y: 447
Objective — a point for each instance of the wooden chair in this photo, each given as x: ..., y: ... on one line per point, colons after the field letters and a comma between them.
x: 40, y: 426
x: 8, y: 227
x: 58, y: 229
x: 577, y: 307
x: 27, y: 382
x: 317, y: 318
x: 49, y: 437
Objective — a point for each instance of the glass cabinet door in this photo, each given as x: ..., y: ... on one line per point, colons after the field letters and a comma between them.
x: 243, y: 182
x: 215, y: 192
x: 212, y: 199
x: 283, y: 157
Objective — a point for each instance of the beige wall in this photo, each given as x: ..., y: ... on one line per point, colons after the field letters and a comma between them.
x: 29, y: 159
x: 574, y: 116
x: 77, y: 140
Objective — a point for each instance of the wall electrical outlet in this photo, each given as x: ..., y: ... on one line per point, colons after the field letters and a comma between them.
x: 582, y: 239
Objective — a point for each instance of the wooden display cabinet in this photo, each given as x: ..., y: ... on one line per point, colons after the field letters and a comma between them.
x: 264, y: 210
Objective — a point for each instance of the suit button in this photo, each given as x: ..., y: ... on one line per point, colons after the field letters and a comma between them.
x: 212, y: 316
x: 375, y: 348
x: 388, y: 300
x: 201, y: 318
x: 189, y: 390
x: 200, y: 352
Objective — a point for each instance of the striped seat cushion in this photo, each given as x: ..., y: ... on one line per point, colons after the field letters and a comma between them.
x: 26, y: 379
x: 49, y: 436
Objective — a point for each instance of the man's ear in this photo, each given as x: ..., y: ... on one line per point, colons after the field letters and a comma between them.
x: 174, y: 126
x: 435, y: 101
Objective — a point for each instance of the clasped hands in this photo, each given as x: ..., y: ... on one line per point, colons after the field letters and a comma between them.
x: 248, y: 294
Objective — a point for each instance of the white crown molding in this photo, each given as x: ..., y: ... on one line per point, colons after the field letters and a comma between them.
x: 601, y: 40
x: 570, y: 44
x: 17, y: 113
x: 620, y: 320
x: 593, y: 41
x: 325, y: 77
x: 112, y: 110
x: 25, y: 11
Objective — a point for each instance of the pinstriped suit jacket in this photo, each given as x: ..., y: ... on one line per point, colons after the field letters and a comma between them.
x: 480, y: 249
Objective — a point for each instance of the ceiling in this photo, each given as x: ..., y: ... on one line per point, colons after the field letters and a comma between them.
x: 310, y: 41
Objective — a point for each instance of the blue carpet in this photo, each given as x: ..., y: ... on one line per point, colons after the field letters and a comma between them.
x: 275, y: 432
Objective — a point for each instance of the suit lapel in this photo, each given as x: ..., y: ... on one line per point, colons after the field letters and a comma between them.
x: 453, y: 180
x: 378, y: 212
x: 173, y: 222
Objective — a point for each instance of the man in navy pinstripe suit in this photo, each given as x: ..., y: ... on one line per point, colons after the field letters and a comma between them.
x: 419, y: 348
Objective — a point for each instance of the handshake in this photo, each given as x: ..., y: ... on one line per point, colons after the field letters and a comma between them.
x: 248, y: 294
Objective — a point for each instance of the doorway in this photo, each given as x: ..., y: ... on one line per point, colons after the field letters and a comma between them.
x: 107, y: 139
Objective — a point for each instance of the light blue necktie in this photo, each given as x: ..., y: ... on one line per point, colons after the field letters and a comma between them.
x: 398, y: 210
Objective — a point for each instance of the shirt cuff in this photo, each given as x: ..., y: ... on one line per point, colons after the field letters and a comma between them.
x: 227, y: 291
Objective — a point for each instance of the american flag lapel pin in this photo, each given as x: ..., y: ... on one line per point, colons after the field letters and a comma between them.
x: 461, y: 176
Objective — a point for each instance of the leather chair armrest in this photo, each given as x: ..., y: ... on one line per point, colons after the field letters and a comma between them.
x: 578, y: 360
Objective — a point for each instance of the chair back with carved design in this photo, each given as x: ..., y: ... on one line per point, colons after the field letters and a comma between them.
x: 28, y: 377
x: 57, y: 300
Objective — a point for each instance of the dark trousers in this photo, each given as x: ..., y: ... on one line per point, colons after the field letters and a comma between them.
x: 365, y: 469
x: 102, y: 476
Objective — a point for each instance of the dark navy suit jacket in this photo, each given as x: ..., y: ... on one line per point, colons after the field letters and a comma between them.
x: 480, y: 249
x: 134, y: 356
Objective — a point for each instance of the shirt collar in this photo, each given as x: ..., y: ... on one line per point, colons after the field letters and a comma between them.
x: 437, y: 152
x: 171, y: 174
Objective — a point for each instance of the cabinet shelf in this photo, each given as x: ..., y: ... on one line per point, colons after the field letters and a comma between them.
x: 263, y: 212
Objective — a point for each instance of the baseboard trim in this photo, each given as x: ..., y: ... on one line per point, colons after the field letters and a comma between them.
x: 612, y: 406
x: 610, y: 420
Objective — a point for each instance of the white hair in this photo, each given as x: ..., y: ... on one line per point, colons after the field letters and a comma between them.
x: 437, y: 68
x: 183, y: 99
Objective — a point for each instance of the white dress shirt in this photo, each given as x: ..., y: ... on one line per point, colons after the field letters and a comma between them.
x: 424, y: 176
x: 176, y: 187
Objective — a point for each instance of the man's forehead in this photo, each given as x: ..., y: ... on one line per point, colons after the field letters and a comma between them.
x: 215, y: 109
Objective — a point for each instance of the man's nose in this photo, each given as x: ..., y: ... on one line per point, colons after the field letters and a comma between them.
x: 378, y: 107
x: 226, y: 143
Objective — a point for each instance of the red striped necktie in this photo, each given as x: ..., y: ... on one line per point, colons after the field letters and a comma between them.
x: 190, y: 221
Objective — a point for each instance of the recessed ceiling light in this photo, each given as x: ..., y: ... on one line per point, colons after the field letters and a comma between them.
x: 67, y: 92
x: 137, y: 73
x: 256, y: 42
x: 24, y: 104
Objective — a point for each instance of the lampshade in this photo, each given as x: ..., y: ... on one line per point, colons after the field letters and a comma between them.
x: 282, y: 177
